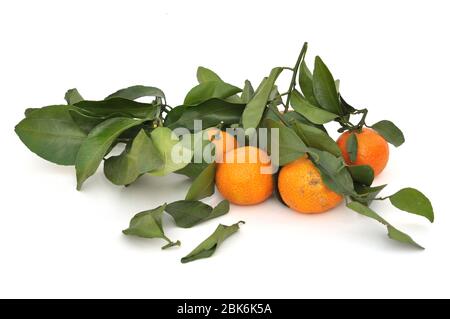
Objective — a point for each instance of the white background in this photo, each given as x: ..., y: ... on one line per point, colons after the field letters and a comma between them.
x: 391, y: 56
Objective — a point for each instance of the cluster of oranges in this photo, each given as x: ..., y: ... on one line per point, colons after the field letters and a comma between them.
x: 242, y: 178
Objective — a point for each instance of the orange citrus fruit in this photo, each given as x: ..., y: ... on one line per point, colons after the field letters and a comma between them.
x: 302, y: 189
x: 245, y: 176
x: 373, y: 150
x: 223, y: 142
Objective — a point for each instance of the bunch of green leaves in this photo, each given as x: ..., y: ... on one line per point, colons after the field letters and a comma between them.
x: 83, y: 132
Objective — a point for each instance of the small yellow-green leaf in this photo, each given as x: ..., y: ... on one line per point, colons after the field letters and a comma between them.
x: 72, y: 96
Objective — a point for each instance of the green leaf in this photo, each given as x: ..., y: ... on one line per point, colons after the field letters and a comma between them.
x: 203, y: 185
x: 255, y: 108
x: 211, y: 113
x: 72, y: 96
x: 413, y: 201
x: 97, y: 144
x: 306, y: 83
x: 393, y: 233
x: 352, y: 147
x: 206, y: 75
x: 248, y: 92
x: 119, y: 105
x: 366, y: 194
x: 391, y: 133
x: 139, y: 158
x: 136, y: 92
x: 208, y: 90
x: 325, y: 88
x: 192, y: 170
x: 188, y: 213
x: 167, y: 143
x: 51, y: 133
x: 209, y: 245
x: 289, y: 147
x: 292, y: 117
x: 316, y: 138
x: 313, y: 113
x: 362, y: 174
x: 30, y: 110
x: 86, y: 121
x: 334, y: 173
x: 148, y: 224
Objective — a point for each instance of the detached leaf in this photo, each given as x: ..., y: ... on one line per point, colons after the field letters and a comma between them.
x: 97, y: 144
x: 316, y: 138
x: 325, y: 88
x: 203, y: 185
x: 362, y: 174
x: 352, y: 147
x: 313, y: 113
x: 206, y: 75
x: 148, y: 224
x: 290, y: 146
x: 168, y: 144
x: 51, y: 133
x: 209, y: 246
x: 391, y: 133
x: 72, y: 96
x: 208, y: 90
x: 137, y: 159
x: 188, y: 213
x: 248, y: 92
x: 255, y: 108
x: 136, y: 92
x: 413, y: 201
x: 393, y: 233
